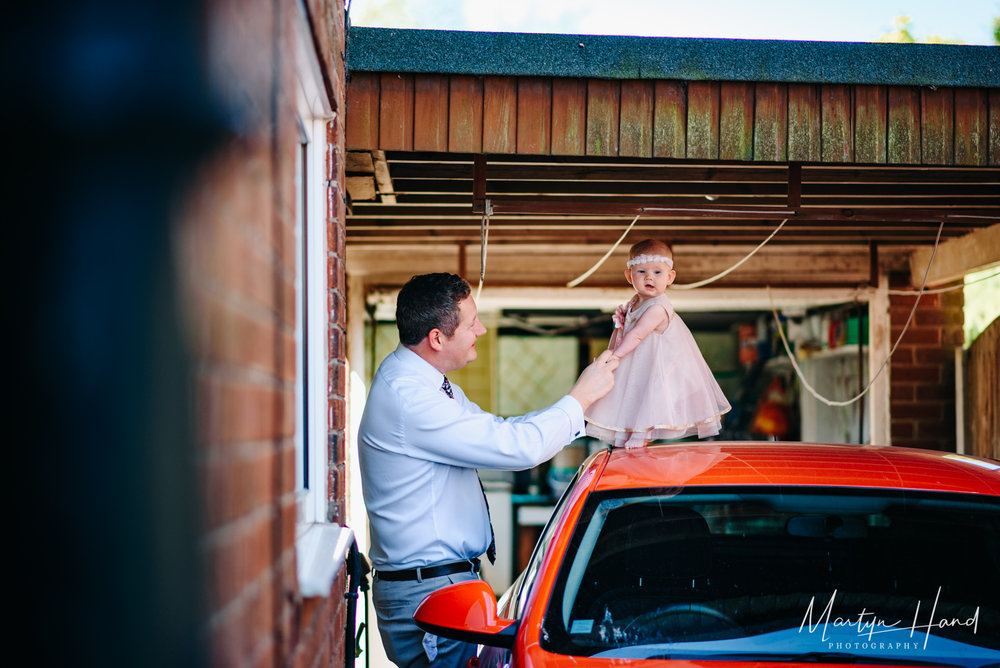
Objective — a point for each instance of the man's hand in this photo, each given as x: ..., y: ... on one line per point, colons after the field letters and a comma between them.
x: 596, y: 380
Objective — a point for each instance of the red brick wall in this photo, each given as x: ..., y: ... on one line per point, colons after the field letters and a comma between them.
x: 922, y: 384
x: 338, y: 315
x: 237, y: 250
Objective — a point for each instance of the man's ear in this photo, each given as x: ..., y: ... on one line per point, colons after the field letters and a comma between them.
x: 435, y: 339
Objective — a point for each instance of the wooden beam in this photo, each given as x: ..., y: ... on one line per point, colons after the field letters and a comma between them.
x: 794, y: 185
x: 957, y: 257
x: 637, y: 169
x: 383, y: 178
x: 587, y: 298
x: 479, y: 183
x: 880, y: 419
x: 572, y: 205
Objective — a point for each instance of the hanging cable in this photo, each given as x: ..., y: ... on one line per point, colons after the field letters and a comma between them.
x: 712, y: 279
x: 585, y: 275
x: 484, y: 232
x: 885, y: 363
x: 688, y: 286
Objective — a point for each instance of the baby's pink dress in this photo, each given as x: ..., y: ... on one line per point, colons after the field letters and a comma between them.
x: 663, y: 388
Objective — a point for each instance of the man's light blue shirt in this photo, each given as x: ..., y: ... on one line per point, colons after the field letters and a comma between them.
x: 419, y: 451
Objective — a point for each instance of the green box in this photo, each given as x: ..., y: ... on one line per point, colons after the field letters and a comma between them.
x: 852, y: 330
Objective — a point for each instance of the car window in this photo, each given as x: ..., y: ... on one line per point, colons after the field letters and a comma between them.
x: 512, y: 602
x: 781, y: 574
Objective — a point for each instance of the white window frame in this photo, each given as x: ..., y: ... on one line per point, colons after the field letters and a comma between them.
x: 311, y: 461
x: 321, y: 547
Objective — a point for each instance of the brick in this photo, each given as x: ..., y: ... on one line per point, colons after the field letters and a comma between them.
x: 336, y: 344
x: 289, y: 305
x: 935, y: 392
x: 926, y: 355
x: 917, y: 335
x: 917, y: 411
x: 901, y: 429
x: 953, y: 299
x: 903, y: 355
x: 334, y: 271
x: 284, y: 414
x: 907, y: 301
x: 240, y: 339
x: 247, y: 412
x: 936, y: 432
x: 916, y: 374
x: 288, y: 478
x: 929, y: 317
x: 338, y: 442
x: 338, y: 407
x: 954, y: 318
x: 338, y: 309
x: 903, y: 393
x: 338, y: 378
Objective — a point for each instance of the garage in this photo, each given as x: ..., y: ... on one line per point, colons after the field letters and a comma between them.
x: 813, y: 181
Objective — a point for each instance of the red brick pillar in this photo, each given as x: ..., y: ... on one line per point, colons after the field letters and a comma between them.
x: 922, y: 386
x: 337, y: 305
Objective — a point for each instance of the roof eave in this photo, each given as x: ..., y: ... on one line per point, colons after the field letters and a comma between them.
x: 620, y: 57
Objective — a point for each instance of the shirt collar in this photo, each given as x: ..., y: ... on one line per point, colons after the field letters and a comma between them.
x: 418, y: 365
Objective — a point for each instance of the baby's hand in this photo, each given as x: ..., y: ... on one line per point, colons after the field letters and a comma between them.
x: 619, y: 317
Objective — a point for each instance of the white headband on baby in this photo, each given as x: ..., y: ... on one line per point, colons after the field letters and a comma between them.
x: 643, y: 259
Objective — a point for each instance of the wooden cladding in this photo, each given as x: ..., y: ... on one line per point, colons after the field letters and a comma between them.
x: 704, y: 120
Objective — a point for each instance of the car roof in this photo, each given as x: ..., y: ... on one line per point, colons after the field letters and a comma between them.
x: 770, y: 463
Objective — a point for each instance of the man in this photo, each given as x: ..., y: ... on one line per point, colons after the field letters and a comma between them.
x: 421, y: 441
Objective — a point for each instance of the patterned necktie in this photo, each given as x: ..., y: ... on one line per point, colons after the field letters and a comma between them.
x: 491, y: 551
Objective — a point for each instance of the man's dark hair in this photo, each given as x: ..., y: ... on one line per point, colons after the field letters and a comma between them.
x: 429, y: 301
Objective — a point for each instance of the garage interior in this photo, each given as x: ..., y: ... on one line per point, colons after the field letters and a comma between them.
x: 483, y: 159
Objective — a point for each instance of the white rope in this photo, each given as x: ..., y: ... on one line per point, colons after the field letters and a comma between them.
x: 698, y: 284
x: 687, y: 286
x: 585, y: 275
x: 795, y: 365
x: 484, y: 232
x: 948, y: 289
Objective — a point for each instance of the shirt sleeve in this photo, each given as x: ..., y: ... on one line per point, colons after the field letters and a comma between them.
x: 459, y: 433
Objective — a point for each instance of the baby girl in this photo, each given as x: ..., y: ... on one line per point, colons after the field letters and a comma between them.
x: 663, y: 387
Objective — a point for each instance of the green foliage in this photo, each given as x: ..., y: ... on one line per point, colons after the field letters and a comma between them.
x: 996, y: 30
x: 982, y: 302
x: 393, y: 14
x: 903, y: 35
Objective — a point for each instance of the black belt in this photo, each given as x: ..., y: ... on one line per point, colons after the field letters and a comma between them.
x: 470, y: 566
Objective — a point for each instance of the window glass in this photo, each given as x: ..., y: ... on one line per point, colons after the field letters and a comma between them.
x: 512, y: 602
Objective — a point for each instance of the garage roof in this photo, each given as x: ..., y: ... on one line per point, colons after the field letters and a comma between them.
x: 614, y: 57
x: 862, y: 147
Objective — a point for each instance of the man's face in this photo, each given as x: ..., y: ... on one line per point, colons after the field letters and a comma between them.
x: 460, y: 348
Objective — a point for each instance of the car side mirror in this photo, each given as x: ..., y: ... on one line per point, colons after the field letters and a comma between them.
x: 466, y: 611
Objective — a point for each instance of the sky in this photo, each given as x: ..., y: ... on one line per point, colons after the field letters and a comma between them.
x: 966, y: 21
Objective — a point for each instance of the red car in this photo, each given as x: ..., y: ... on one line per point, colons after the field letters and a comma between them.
x: 749, y: 554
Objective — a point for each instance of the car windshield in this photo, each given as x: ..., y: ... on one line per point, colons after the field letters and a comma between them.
x: 791, y: 574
